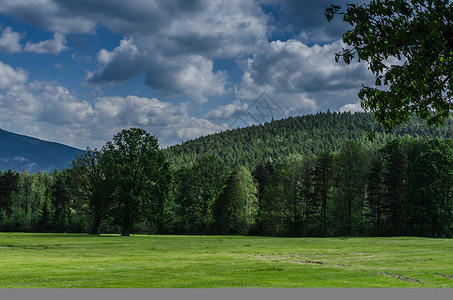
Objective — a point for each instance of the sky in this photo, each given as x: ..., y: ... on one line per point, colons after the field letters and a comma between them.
x: 78, y: 72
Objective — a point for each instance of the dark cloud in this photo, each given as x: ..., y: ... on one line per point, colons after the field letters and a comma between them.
x: 307, y: 18
x: 295, y: 67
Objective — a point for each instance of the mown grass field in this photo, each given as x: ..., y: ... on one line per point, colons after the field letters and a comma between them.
x: 142, y: 261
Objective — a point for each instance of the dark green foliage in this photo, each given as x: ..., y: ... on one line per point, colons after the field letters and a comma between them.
x: 44, y: 221
x: 60, y: 203
x: 310, y: 134
x: 8, y: 184
x: 350, y: 168
x: 429, y: 190
x: 296, y: 185
x: 200, y: 188
x: 91, y: 187
x: 419, y: 35
x: 375, y: 195
x: 236, y: 208
x: 322, y: 178
x: 394, y: 176
x: 392, y: 186
x: 139, y: 177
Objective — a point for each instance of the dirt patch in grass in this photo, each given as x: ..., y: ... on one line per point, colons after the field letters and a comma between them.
x: 445, y: 276
x: 403, y: 278
x: 286, y: 259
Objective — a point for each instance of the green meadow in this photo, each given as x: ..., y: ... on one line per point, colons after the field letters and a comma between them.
x: 153, y: 261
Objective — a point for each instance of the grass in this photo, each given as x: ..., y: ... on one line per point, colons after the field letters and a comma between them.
x: 143, y: 261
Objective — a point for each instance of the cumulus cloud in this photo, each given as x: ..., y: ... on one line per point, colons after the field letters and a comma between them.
x: 352, y: 107
x: 53, y: 46
x: 303, y: 78
x: 176, y: 41
x: 191, y: 76
x: 48, y: 14
x: 11, y: 78
x: 50, y: 111
x: 171, y: 123
x: 177, y: 45
x: 118, y: 65
x: 10, y: 41
x: 307, y: 18
x: 230, y: 111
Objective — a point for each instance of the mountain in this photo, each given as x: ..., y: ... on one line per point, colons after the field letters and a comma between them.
x: 19, y: 152
x: 308, y: 134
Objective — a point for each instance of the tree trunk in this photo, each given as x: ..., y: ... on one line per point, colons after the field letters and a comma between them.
x: 125, y: 231
x: 96, y: 230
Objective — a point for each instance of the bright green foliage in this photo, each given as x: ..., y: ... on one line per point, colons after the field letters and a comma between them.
x: 236, y: 208
x: 139, y: 176
x: 417, y: 33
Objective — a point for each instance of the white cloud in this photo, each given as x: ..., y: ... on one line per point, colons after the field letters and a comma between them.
x: 48, y: 14
x: 229, y: 111
x: 171, y: 123
x: 53, y: 46
x: 352, y: 107
x: 177, y: 41
x: 10, y: 41
x: 117, y: 66
x: 191, y: 76
x: 302, y: 78
x: 50, y: 111
x: 10, y: 78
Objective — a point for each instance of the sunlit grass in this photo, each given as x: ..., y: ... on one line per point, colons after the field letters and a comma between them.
x: 141, y: 261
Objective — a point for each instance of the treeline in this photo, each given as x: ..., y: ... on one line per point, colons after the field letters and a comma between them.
x: 403, y: 187
x: 305, y: 135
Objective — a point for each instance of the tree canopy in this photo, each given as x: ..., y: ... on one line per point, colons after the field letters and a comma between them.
x: 140, y: 173
x: 408, y: 46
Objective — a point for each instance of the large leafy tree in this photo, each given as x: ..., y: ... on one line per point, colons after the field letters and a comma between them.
x: 140, y: 176
x: 91, y: 186
x: 419, y: 35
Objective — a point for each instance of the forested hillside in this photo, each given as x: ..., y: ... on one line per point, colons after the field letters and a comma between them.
x: 19, y: 153
x: 316, y: 175
x: 309, y: 134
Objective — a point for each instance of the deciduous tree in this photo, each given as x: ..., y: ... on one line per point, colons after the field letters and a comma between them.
x: 408, y: 46
x: 139, y: 175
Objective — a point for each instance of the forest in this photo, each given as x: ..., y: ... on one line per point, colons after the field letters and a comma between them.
x: 329, y: 174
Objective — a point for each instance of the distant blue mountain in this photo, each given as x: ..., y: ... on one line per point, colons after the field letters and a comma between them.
x: 19, y: 152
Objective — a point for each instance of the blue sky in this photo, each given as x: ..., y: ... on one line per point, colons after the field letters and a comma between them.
x: 77, y: 72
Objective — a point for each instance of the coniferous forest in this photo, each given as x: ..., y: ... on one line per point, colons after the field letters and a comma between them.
x: 329, y: 174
